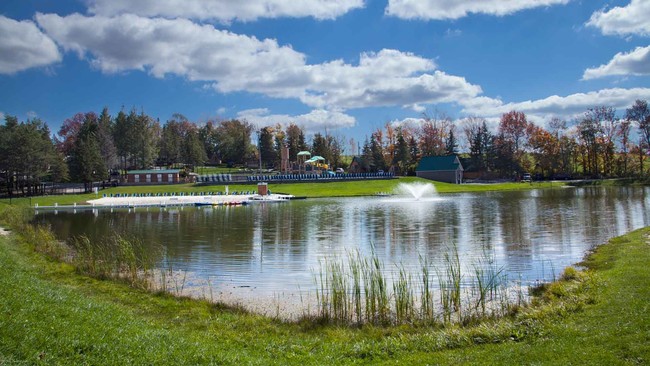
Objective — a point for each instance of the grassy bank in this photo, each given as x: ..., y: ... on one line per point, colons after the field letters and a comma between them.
x: 311, y: 190
x: 51, y: 315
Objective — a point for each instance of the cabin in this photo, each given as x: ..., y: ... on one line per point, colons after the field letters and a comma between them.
x: 170, y: 176
x: 358, y: 165
x: 441, y: 168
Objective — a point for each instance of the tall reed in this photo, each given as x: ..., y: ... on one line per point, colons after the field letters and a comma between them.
x: 357, y: 290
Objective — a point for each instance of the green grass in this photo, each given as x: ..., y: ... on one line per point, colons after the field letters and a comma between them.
x: 51, y: 315
x: 310, y: 190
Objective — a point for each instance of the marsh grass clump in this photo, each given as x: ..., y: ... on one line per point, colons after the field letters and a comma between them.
x: 115, y: 257
x: 15, y: 217
x: 43, y: 241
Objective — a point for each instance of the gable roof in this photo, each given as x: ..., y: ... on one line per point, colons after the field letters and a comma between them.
x: 439, y: 163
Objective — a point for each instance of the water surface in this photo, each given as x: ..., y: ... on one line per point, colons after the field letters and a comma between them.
x: 268, y: 250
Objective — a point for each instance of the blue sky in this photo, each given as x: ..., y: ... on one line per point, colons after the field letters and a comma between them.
x: 344, y: 67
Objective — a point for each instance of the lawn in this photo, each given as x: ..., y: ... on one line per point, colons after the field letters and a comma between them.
x: 52, y: 315
x: 310, y: 190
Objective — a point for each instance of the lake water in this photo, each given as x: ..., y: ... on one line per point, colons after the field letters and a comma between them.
x: 267, y: 251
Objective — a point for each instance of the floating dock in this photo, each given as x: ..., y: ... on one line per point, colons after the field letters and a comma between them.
x: 171, y: 201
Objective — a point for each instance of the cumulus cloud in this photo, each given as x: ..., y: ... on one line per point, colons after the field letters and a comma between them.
x: 234, y: 63
x: 24, y: 46
x: 445, y: 9
x: 226, y: 10
x: 560, y: 106
x: 314, y: 121
x: 633, y: 18
x: 636, y: 62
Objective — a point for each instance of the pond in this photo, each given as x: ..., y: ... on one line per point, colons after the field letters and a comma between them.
x: 273, y: 251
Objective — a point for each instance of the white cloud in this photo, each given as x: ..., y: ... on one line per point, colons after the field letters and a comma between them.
x: 314, y: 121
x: 23, y: 46
x: 2, y: 117
x: 636, y: 62
x: 226, y: 10
x: 233, y: 63
x: 567, y: 107
x: 31, y: 114
x: 631, y: 19
x: 445, y: 9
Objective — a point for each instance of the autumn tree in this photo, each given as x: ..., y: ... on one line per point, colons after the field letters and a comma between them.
x: 511, y: 139
x: 590, y: 134
x: 68, y: 133
x: 433, y: 133
x: 639, y: 113
x: 545, y: 149
x: 623, y: 134
x: 605, y: 118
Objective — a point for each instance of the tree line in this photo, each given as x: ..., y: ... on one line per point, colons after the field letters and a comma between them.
x: 89, y: 147
x: 601, y: 144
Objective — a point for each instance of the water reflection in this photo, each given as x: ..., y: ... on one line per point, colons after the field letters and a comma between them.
x: 277, y: 247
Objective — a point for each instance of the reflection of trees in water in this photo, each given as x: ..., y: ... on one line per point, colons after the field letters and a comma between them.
x: 521, y: 229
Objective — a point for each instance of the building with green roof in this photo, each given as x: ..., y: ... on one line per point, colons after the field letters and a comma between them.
x: 441, y: 168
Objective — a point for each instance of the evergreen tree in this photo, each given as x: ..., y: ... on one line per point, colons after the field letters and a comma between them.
x: 377, y: 153
x: 105, y: 138
x: 122, y: 138
x: 266, y: 146
x: 27, y: 155
x: 234, y: 140
x: 86, y: 162
x: 451, y: 145
x: 401, y: 159
x: 414, y: 155
x: 194, y: 150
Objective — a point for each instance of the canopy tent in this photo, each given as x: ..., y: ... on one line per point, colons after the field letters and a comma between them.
x: 315, y: 159
x: 304, y: 153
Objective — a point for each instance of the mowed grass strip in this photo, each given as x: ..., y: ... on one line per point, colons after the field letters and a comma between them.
x: 309, y: 190
x: 50, y: 315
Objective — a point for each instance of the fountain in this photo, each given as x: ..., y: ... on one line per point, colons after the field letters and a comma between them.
x: 417, y: 190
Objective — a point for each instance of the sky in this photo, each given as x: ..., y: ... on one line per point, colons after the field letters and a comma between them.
x: 344, y: 67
